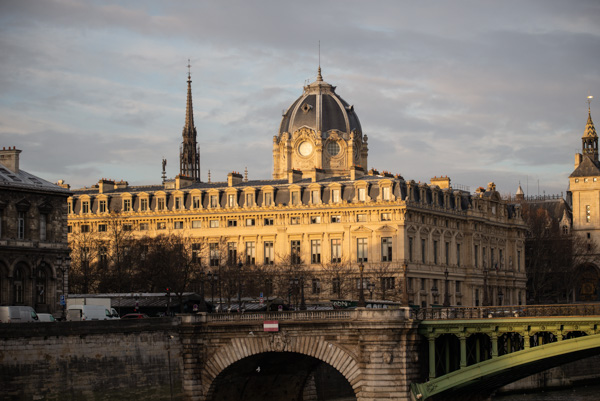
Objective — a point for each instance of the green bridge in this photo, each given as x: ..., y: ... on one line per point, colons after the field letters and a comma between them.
x: 477, y: 350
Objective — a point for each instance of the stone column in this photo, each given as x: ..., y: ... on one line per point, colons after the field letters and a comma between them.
x: 494, y: 337
x: 463, y: 350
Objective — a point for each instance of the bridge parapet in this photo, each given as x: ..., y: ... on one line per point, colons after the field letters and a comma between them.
x: 483, y: 312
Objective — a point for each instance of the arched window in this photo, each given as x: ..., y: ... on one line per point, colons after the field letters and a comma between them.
x: 18, y: 286
x: 40, y: 286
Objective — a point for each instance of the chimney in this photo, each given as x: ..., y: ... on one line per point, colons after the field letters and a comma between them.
x: 578, y: 159
x: 234, y: 178
x: 10, y: 158
x: 442, y: 182
x: 294, y: 176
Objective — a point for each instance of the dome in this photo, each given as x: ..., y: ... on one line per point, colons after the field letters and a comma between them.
x: 322, y: 110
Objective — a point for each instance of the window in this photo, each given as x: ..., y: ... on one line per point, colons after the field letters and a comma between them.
x: 103, y: 255
x: 250, y: 222
x: 410, y: 284
x: 423, y: 284
x: 213, y: 254
x: 127, y: 227
x: 500, y: 259
x: 143, y: 227
x: 160, y: 204
x: 196, y: 253
x: 316, y: 286
x: 268, y: 252
x: 214, y: 201
x: 410, y: 249
x: 483, y: 256
x: 315, y: 251
x: 43, y: 220
x: 268, y: 221
x: 268, y: 199
x: 361, y: 217
x: 127, y: 205
x: 85, y: 207
x: 385, y: 193
x: 336, y: 219
x: 476, y: 255
x: 518, y: 261
x: 588, y: 213
x: 336, y: 287
x: 295, y: 198
x: 386, y: 216
x: 178, y: 202
x: 102, y: 228
x: 85, y: 228
x: 214, y: 223
x: 231, y: 200
x: 102, y: 206
x: 232, y: 252
x: 447, y: 253
x: 388, y: 283
x: 70, y: 207
x: 314, y: 197
x: 458, y: 255
x: 143, y: 205
x: 435, y: 252
x: 476, y: 297
x: 335, y: 195
x: 423, y: 251
x: 362, y: 250
x: 457, y: 287
x: 295, y: 220
x: 249, y: 200
x: 161, y: 225
x: 231, y: 223
x: 178, y: 225
x: 336, y: 250
x: 196, y: 224
x: 40, y: 286
x: 315, y: 219
x: 69, y: 229
x: 196, y: 202
x: 295, y: 252
x: 250, y: 253
x: 386, y: 249
x: 362, y: 194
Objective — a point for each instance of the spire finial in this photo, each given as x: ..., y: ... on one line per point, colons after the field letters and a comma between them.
x: 189, y: 66
x: 589, y: 101
x: 246, y: 174
x: 319, y: 76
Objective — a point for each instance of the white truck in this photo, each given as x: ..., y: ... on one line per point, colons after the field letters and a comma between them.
x: 92, y: 301
x: 17, y: 314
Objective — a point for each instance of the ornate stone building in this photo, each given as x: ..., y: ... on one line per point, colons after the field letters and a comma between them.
x: 418, y: 243
x: 34, y: 255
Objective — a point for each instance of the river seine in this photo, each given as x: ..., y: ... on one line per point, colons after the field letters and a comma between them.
x: 584, y: 393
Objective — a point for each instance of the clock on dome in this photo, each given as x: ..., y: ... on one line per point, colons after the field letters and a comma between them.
x: 305, y: 148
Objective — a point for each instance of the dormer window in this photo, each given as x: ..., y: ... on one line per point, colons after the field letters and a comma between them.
x: 178, y: 202
x: 314, y: 197
x: 196, y: 202
x: 362, y: 194
x: 296, y: 198
x: 160, y: 204
x: 268, y: 199
x: 385, y: 193
x: 214, y: 201
x: 102, y: 206
x: 143, y: 205
x: 306, y: 107
x: 335, y: 196
x: 126, y: 205
x: 231, y: 200
x: 249, y: 200
x: 85, y: 207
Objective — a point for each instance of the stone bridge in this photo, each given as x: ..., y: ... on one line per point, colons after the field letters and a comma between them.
x: 362, y: 354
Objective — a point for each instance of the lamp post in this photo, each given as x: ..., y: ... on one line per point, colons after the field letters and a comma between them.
x: 361, y: 295
x: 241, y: 266
x: 486, y: 299
x: 446, y: 295
x: 371, y: 288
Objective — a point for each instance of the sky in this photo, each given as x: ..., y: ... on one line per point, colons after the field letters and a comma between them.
x: 479, y: 91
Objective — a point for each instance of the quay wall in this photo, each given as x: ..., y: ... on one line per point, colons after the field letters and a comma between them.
x: 96, y: 360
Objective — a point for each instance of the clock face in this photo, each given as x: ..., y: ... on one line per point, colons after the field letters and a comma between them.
x: 305, y: 148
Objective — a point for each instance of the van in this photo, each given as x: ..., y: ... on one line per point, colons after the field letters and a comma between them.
x: 46, y: 317
x: 88, y: 312
x: 17, y: 314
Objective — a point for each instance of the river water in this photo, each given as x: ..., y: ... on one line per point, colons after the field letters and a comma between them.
x: 584, y: 393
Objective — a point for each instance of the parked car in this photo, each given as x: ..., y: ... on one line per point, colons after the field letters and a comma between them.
x: 135, y: 316
x: 88, y: 312
x: 17, y: 314
x: 46, y: 317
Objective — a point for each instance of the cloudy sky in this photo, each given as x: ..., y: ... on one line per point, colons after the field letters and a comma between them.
x: 477, y: 90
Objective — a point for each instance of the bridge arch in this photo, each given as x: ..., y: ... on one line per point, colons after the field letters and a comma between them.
x: 237, y: 349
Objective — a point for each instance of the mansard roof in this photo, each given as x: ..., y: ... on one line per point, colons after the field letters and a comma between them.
x: 26, y: 181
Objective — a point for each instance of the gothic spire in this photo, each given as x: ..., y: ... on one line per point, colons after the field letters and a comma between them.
x: 590, y: 138
x: 189, y: 156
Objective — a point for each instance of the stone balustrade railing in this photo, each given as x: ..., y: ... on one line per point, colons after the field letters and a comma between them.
x: 484, y: 312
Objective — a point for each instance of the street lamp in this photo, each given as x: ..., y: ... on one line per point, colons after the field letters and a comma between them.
x: 446, y: 295
x: 486, y: 299
x: 361, y: 295
x: 371, y: 287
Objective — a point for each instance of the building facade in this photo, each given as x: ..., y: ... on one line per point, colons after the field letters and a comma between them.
x: 416, y: 243
x: 34, y: 253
